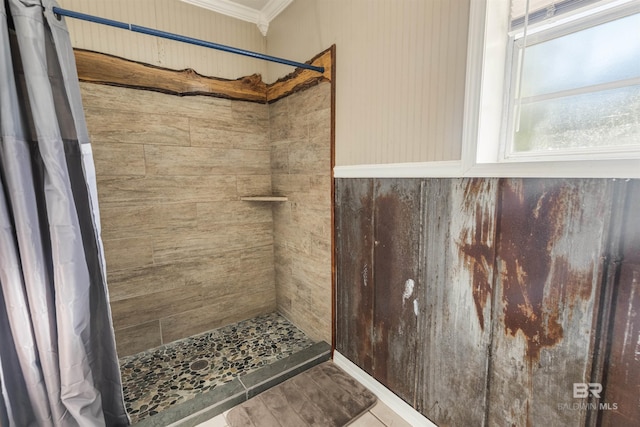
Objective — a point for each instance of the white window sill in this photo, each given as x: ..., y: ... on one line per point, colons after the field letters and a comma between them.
x: 444, y: 169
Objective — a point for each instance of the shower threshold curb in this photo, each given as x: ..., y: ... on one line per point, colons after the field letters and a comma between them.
x: 226, y: 396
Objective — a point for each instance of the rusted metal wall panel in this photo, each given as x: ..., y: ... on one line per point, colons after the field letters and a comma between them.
x: 455, y: 327
x: 516, y: 293
x: 397, y: 284
x: 622, y: 372
x: 551, y: 236
x: 354, y: 269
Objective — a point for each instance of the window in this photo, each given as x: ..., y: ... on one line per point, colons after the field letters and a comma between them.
x: 558, y: 81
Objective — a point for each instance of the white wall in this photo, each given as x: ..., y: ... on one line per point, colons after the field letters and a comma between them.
x: 400, y: 73
x: 172, y: 16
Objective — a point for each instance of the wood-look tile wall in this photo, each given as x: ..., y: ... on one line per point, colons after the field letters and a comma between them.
x: 482, y: 301
x: 184, y: 255
x: 300, y: 137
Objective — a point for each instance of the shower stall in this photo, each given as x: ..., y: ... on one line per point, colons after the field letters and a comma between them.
x: 216, y: 223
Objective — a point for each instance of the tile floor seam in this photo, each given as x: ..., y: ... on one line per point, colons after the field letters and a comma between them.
x: 378, y: 418
x: 246, y: 389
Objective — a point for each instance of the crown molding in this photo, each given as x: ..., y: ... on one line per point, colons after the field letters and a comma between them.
x: 228, y: 8
x: 273, y: 8
x: 261, y: 18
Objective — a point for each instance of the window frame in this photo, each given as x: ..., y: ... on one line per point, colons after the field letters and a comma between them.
x: 488, y: 82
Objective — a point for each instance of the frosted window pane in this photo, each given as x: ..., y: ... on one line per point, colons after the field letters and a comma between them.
x: 540, y: 10
x: 600, y: 54
x: 601, y: 119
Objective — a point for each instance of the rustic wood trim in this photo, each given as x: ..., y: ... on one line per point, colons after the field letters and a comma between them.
x: 334, y: 301
x: 302, y: 79
x: 101, y: 68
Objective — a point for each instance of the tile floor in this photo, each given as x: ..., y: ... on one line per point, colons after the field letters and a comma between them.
x: 378, y: 416
x: 174, y: 373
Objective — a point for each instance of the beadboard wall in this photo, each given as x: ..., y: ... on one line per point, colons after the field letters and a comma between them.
x: 400, y: 63
x: 400, y: 73
x: 172, y: 16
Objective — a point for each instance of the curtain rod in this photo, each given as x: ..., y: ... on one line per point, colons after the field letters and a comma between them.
x: 184, y: 39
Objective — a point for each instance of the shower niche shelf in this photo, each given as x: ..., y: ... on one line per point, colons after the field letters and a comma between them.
x: 264, y: 198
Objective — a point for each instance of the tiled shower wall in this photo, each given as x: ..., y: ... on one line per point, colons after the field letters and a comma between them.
x: 184, y: 255
x: 300, y: 133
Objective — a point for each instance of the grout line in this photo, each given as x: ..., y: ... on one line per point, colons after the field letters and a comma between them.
x: 378, y: 418
x: 246, y: 390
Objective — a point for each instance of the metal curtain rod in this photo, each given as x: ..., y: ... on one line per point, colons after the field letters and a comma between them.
x: 184, y: 39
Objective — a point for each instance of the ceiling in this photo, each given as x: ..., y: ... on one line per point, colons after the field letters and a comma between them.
x: 253, y: 4
x: 260, y: 12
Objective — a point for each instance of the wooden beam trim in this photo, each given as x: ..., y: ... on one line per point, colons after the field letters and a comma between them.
x: 101, y: 68
x: 302, y: 79
x: 95, y: 67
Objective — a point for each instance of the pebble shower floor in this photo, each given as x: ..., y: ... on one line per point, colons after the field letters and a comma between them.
x: 174, y: 373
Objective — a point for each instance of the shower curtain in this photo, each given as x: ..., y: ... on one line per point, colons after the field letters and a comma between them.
x: 58, y: 364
